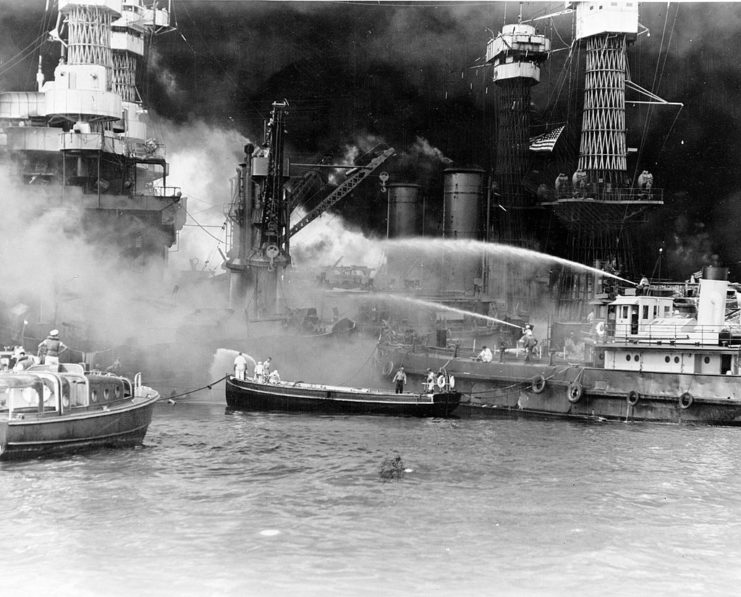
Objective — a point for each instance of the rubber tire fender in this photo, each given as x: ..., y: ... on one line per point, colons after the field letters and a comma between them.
x: 686, y: 400
x: 574, y: 392
x: 538, y: 384
x: 633, y: 397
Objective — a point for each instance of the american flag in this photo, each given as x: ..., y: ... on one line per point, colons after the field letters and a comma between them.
x: 546, y: 141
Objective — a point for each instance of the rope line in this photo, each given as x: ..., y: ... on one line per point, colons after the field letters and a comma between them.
x: 207, y: 386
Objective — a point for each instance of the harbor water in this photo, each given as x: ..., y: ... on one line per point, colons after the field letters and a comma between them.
x: 220, y: 503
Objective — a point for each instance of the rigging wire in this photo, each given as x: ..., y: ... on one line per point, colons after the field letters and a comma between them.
x: 22, y: 54
x: 202, y: 227
x: 655, y: 85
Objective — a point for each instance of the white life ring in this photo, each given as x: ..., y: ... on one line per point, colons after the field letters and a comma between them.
x: 600, y: 328
x: 451, y: 382
x: 441, y: 381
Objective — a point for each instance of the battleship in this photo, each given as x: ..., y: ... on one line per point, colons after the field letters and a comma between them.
x: 84, y: 167
x: 610, y: 349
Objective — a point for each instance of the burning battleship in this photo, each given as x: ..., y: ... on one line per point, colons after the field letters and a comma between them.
x: 85, y: 168
x: 637, y: 355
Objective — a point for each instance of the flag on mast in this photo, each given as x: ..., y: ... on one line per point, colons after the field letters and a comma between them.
x: 546, y: 141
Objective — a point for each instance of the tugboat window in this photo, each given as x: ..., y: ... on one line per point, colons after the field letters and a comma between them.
x: 707, y: 360
x: 635, y: 358
x: 627, y: 357
x: 676, y: 359
x: 666, y: 359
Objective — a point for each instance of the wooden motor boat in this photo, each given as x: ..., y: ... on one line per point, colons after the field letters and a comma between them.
x: 304, y: 397
x: 55, y: 408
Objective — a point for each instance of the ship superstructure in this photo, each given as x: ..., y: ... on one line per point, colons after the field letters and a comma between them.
x: 80, y: 139
x: 516, y: 55
x: 601, y: 202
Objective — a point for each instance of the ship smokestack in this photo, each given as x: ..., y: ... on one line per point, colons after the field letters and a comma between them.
x: 463, y: 192
x: 711, y: 307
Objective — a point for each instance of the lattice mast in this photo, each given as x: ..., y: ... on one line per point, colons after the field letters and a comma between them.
x: 128, y: 33
x: 605, y: 29
x: 516, y: 55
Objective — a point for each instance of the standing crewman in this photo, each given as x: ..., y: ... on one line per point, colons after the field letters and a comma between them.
x: 259, y: 372
x: 50, y: 348
x: 400, y: 379
x: 528, y: 341
x: 430, y: 381
x: 240, y: 366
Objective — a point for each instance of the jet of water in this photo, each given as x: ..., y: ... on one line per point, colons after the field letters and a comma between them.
x: 476, y: 247
x: 438, y: 306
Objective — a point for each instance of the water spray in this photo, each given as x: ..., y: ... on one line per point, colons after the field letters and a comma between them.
x: 433, y: 305
x: 475, y: 247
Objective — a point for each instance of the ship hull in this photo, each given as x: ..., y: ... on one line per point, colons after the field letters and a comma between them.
x: 299, y: 397
x: 119, y: 426
x: 579, y: 392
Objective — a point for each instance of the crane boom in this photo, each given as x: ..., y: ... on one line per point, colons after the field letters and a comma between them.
x: 343, y: 190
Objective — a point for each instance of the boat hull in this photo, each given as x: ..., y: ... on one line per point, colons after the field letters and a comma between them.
x: 119, y: 426
x: 580, y: 392
x: 308, y: 398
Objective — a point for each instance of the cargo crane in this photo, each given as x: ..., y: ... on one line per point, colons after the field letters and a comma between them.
x: 258, y: 217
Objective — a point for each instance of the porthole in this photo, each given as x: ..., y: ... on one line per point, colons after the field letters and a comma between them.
x: 117, y: 392
x: 676, y: 359
x: 635, y: 358
x: 106, y: 393
x: 707, y: 360
x: 627, y: 357
x: 666, y: 359
x: 94, y: 395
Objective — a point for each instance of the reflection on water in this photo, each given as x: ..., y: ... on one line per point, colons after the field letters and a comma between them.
x: 220, y: 503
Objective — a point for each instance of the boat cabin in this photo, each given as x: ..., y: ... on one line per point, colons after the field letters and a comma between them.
x: 647, y: 333
x: 60, y: 389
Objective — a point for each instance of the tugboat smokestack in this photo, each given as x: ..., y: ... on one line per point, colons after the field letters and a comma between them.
x: 711, y: 307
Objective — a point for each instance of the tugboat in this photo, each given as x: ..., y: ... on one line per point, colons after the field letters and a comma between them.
x: 49, y: 409
x: 652, y: 363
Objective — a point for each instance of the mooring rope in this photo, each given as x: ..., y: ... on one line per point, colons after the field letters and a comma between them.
x: 172, y: 397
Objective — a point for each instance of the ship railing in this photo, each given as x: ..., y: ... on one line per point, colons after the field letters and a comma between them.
x: 624, y: 195
x: 672, y: 334
x: 167, y: 191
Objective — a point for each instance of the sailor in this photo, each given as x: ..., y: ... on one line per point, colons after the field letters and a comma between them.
x: 240, y: 366
x: 50, y: 348
x: 400, y: 379
x: 486, y: 355
x: 579, y: 181
x: 562, y: 184
x: 642, y: 285
x: 266, y: 366
x: 430, y: 380
x: 528, y: 341
x: 259, y: 372
x: 23, y: 361
x: 274, y: 377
